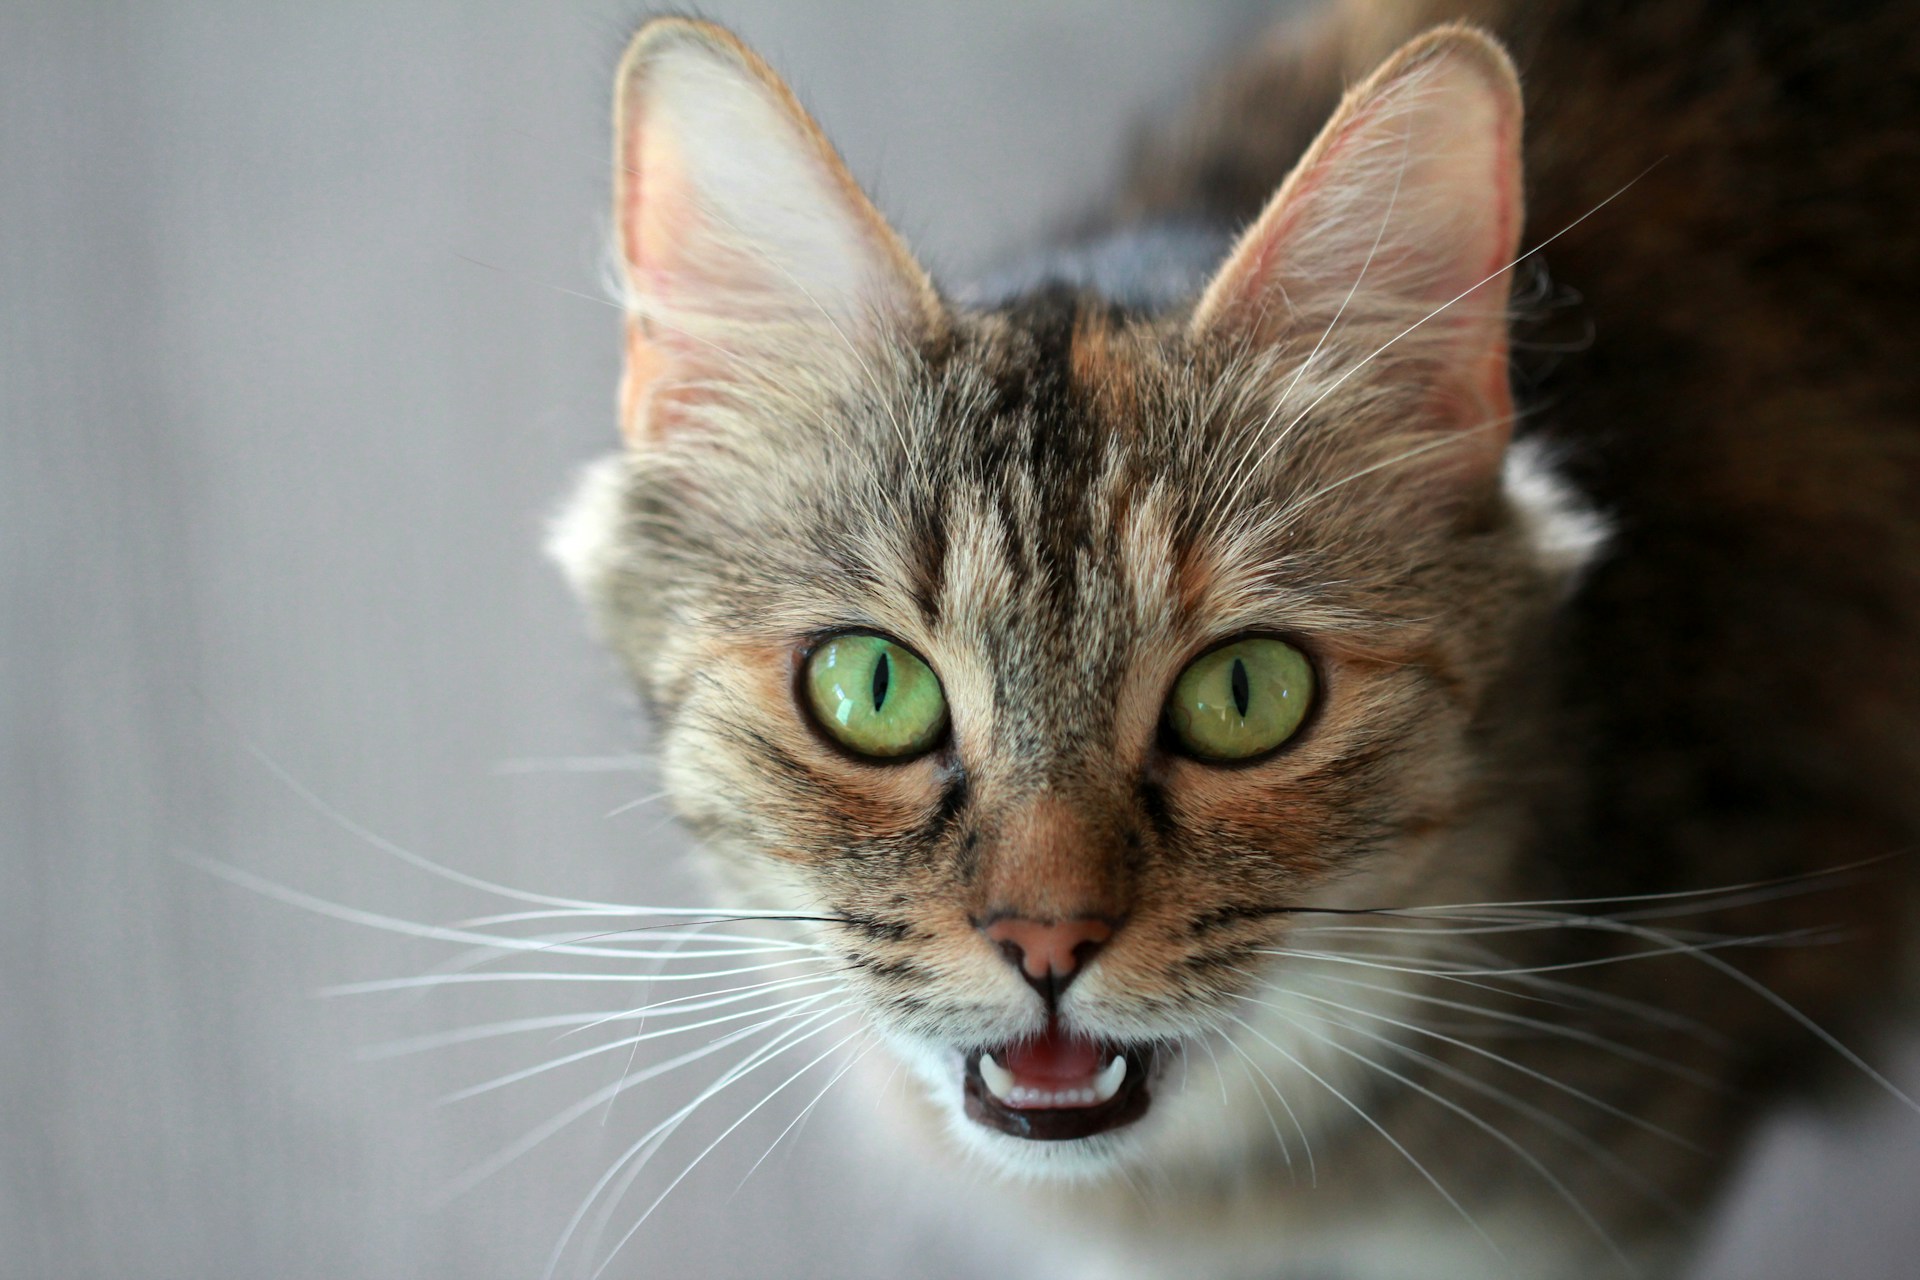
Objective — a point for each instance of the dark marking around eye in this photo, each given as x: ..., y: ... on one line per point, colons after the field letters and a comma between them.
x: 1153, y: 801
x: 1242, y: 695
x: 882, y: 677
x: 953, y: 802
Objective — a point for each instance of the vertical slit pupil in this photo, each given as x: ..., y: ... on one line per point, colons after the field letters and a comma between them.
x: 882, y: 677
x: 1242, y: 692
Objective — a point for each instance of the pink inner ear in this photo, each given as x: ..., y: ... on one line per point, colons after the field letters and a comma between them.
x: 1410, y: 196
x: 649, y: 183
x: 1393, y: 237
x: 657, y: 218
x: 745, y: 243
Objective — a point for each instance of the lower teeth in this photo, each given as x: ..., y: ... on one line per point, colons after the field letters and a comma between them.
x: 1102, y: 1088
x: 1055, y: 1098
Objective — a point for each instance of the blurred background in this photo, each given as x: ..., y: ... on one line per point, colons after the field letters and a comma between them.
x: 301, y: 341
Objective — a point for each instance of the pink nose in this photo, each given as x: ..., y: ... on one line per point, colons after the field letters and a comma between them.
x: 1048, y: 954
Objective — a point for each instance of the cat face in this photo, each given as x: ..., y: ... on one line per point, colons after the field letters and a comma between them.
x: 1053, y: 896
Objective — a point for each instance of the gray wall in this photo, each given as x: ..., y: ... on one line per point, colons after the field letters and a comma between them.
x: 294, y: 359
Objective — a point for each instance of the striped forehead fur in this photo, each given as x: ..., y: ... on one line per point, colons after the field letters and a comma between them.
x: 858, y: 494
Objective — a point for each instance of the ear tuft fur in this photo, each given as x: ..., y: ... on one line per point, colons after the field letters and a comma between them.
x: 1566, y: 535
x: 585, y: 535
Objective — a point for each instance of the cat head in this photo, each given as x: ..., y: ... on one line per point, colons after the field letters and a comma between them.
x: 1056, y: 657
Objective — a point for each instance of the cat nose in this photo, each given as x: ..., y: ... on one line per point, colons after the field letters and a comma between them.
x: 1049, y: 954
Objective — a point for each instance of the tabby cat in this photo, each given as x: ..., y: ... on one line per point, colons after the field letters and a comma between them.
x: 1325, y: 750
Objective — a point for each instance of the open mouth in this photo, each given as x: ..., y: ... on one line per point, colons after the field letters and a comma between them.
x: 1056, y: 1086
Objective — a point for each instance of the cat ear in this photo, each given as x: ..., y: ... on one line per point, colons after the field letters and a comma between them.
x: 1398, y: 226
x: 745, y: 247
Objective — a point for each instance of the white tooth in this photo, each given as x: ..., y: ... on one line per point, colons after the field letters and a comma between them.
x: 998, y: 1079
x: 1107, y: 1083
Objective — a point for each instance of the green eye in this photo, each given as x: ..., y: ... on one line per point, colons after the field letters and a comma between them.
x: 875, y: 697
x: 1241, y: 699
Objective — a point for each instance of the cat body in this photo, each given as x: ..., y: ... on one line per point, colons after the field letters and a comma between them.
x: 1488, y: 961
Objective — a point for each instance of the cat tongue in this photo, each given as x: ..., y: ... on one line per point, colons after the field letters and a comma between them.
x: 1053, y: 1057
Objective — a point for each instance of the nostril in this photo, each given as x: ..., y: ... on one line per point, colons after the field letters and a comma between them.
x: 1048, y: 953
x: 1082, y: 953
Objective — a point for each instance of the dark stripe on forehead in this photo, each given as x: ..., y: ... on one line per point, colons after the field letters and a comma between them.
x: 1044, y: 321
x: 927, y: 560
x: 1049, y: 430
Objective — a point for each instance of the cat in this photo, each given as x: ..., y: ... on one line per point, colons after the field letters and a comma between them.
x: 1324, y: 750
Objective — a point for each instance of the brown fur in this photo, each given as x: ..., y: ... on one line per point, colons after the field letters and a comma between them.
x: 1046, y: 500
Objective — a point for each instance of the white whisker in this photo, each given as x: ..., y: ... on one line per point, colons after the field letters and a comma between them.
x: 368, y: 836
x: 1381, y: 1129
x: 1542, y: 1077
x: 1785, y: 1006
x: 574, y: 764
x: 1544, y: 990
x: 634, y: 1041
x: 482, y: 1031
x: 1579, y: 1035
x: 438, y: 933
x: 1248, y: 1065
x: 642, y: 802
x: 1218, y: 1074
x: 700, y: 1001
x: 560, y: 1120
x: 1238, y: 474
x: 1670, y: 895
x: 1672, y: 948
x: 462, y: 979
x: 1545, y: 1119
x: 806, y: 1111
x: 1384, y: 347
x: 1451, y: 440
x: 770, y: 1095
x: 650, y: 1141
x: 1532, y: 1161
x: 524, y: 278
